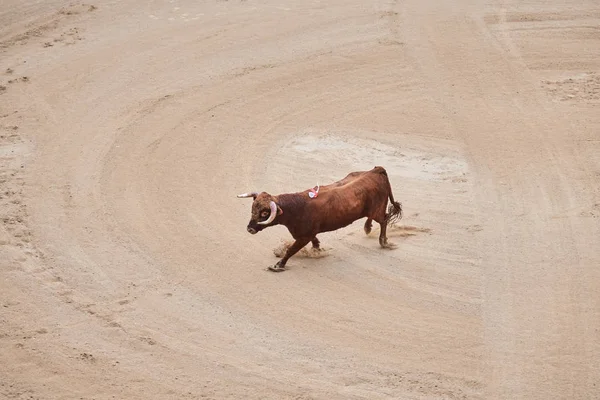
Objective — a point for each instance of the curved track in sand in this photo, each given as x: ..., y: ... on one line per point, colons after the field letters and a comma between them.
x: 128, y: 129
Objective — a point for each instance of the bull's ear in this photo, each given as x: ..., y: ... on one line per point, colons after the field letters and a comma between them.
x: 279, y: 210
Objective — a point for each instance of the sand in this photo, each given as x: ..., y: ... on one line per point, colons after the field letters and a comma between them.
x: 127, y: 128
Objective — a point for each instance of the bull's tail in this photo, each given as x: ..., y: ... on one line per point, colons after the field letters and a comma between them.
x: 394, y: 211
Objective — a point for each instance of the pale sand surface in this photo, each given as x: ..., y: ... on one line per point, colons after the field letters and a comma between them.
x: 128, y: 128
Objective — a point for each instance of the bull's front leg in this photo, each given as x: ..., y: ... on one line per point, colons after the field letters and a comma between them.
x: 316, y: 244
x: 293, y: 249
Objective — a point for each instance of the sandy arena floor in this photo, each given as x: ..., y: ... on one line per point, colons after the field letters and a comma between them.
x: 128, y: 127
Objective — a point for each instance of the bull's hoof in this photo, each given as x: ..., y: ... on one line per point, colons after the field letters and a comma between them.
x: 276, y: 268
x: 387, y: 245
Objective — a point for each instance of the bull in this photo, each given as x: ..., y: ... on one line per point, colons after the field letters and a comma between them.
x: 327, y: 208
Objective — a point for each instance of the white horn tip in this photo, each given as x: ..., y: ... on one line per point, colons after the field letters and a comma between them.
x: 243, y: 195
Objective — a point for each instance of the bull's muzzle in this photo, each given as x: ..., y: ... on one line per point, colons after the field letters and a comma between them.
x: 252, y: 230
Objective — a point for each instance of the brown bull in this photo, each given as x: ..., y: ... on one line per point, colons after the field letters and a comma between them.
x: 358, y: 195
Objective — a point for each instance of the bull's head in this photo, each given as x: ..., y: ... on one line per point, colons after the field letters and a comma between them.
x: 264, y: 211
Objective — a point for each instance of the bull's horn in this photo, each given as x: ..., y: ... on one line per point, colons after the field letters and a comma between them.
x: 272, y: 216
x: 253, y: 194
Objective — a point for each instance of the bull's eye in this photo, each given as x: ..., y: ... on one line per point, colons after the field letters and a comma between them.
x: 264, y: 214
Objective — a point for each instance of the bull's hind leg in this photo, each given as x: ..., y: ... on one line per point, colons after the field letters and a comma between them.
x: 383, y: 240
x: 368, y: 225
x: 293, y: 249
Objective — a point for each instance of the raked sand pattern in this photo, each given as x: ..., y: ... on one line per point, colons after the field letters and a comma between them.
x: 128, y: 127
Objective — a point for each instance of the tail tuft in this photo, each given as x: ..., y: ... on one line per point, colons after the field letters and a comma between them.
x: 394, y: 212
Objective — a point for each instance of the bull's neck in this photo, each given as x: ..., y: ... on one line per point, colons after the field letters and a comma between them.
x: 292, y: 205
